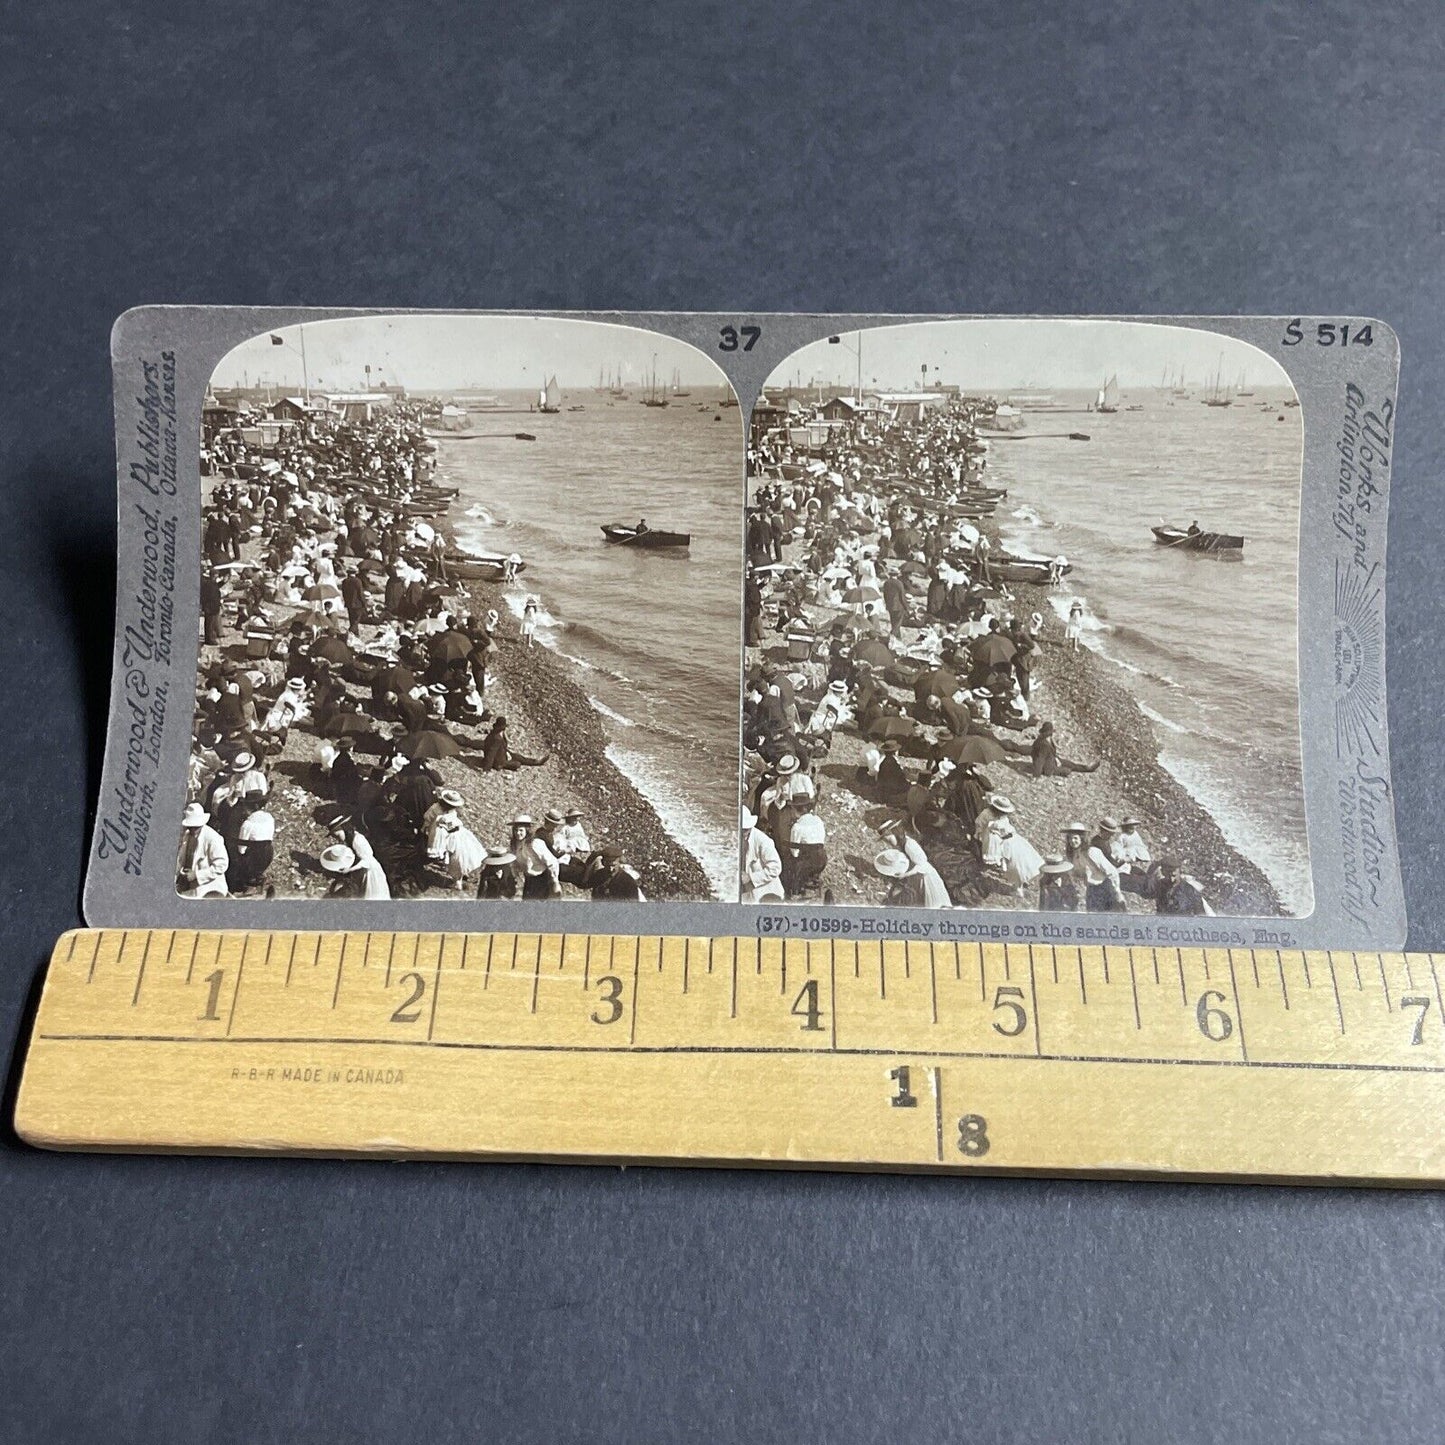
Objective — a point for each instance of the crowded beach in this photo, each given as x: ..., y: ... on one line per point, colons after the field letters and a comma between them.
x: 921, y: 725
x: 371, y: 720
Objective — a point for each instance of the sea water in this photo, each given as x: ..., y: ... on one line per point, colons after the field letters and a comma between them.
x: 656, y: 636
x: 1207, y: 646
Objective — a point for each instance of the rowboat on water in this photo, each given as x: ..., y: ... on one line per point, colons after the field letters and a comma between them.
x: 1189, y: 541
x: 650, y: 540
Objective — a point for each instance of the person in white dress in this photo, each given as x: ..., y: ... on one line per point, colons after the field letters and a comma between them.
x: 762, y: 866
x: 450, y: 842
x: 1074, y: 631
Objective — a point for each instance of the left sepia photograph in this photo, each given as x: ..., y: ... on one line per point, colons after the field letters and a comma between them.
x: 470, y: 620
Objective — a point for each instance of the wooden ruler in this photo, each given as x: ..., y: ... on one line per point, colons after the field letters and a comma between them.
x: 1237, y: 1064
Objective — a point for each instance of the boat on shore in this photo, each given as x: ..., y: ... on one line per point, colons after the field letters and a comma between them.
x: 1026, y: 567
x: 480, y: 566
x: 650, y: 540
x: 1188, y: 541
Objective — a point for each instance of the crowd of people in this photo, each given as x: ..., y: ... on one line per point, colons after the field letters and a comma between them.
x: 329, y: 613
x: 876, y: 607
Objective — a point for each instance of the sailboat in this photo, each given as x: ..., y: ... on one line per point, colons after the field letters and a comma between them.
x: 1108, y: 398
x: 677, y: 384
x: 656, y: 396
x: 1239, y: 390
x: 1218, y: 392
x: 549, y: 398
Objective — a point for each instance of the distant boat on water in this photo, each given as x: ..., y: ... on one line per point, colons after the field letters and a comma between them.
x: 1218, y: 392
x: 1108, y: 398
x: 549, y: 398
x: 656, y: 395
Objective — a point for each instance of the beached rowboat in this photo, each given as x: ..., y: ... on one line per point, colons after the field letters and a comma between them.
x: 1198, y: 541
x: 1026, y: 569
x: 483, y: 567
x: 649, y: 540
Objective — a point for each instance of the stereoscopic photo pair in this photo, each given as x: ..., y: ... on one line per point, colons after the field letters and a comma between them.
x: 980, y: 614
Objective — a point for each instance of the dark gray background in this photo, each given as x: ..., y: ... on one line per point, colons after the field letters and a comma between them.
x: 1182, y: 157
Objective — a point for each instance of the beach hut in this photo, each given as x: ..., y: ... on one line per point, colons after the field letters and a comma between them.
x: 841, y: 408
x: 290, y: 408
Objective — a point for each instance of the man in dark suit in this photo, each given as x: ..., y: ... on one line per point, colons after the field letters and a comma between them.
x: 353, y: 598
x: 211, y: 605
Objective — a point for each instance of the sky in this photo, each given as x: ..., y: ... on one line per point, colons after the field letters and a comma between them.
x: 1007, y: 353
x: 439, y: 353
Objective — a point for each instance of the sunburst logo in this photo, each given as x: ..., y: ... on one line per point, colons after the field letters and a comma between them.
x: 1359, y: 660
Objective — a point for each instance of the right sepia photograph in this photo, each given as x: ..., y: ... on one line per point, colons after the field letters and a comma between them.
x: 1021, y: 623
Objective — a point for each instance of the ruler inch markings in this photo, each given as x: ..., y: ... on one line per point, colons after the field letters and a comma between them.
x: 140, y: 972
x: 1238, y: 1008
x: 1034, y: 1004
x: 340, y: 965
x: 436, y: 986
x: 120, y: 1034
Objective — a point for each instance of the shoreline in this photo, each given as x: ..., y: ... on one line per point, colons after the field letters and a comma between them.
x: 1099, y: 724
x: 1241, y: 834
x: 1130, y: 745
x: 553, y: 708
x: 1095, y: 717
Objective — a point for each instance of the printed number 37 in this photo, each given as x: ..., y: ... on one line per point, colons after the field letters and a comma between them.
x: 728, y: 337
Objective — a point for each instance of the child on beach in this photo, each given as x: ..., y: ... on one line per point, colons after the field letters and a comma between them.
x: 1075, y: 629
x: 529, y: 620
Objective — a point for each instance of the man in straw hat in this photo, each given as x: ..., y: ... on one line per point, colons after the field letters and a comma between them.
x: 201, y: 860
